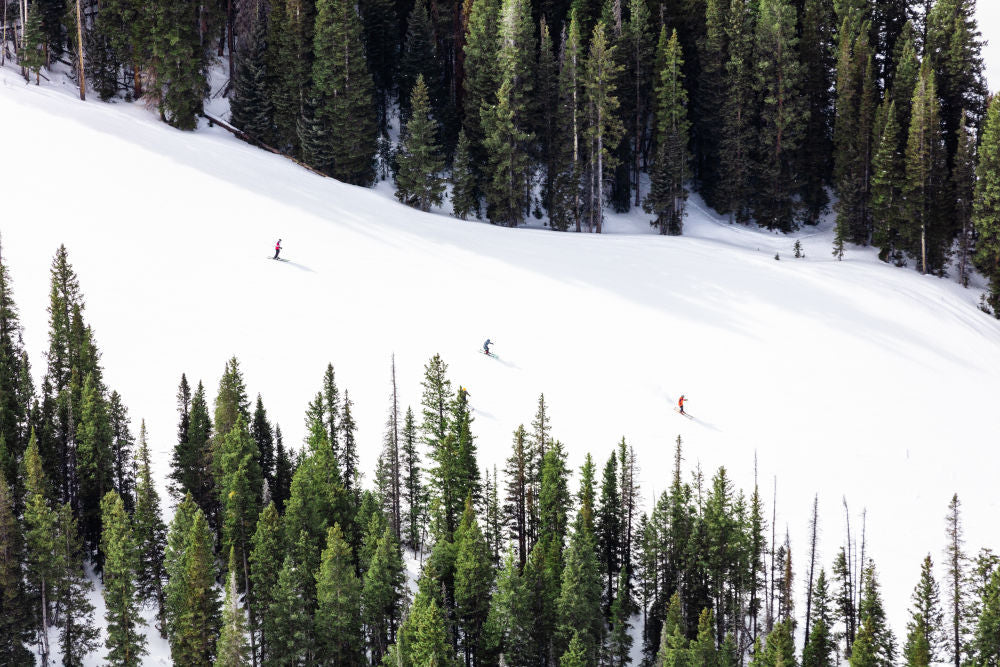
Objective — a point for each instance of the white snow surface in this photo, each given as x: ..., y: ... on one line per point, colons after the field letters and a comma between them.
x: 844, y: 379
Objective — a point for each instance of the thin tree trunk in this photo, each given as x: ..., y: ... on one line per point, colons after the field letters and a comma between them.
x: 812, y: 562
x: 45, y: 627
x: 250, y: 615
x: 79, y: 50
x: 770, y: 597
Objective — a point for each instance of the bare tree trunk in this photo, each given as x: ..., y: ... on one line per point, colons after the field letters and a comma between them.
x: 395, y: 454
x: 44, y: 639
x: 812, y: 561
x: 576, y: 157
x: 79, y: 50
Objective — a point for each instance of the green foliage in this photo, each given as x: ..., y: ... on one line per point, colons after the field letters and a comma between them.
x: 987, y: 638
x: 423, y: 637
x: 886, y: 182
x: 986, y: 210
x: 266, y: 556
x: 738, y: 132
x: 93, y: 462
x: 605, y: 128
x: 473, y: 582
x: 292, y: 626
x: 338, y: 607
x: 14, y: 609
x: 383, y: 592
x: 464, y: 200
x: 125, y: 643
x: 232, y: 649
x: 179, y: 61
x: 567, y: 165
x: 418, y: 179
x: 820, y: 644
x: 191, y: 597
x: 239, y: 485
x: 579, y: 604
x: 667, y: 195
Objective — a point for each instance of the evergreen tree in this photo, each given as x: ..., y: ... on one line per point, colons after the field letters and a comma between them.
x: 290, y: 640
x: 782, y: 114
x: 192, y: 600
x: 673, y: 651
x: 543, y: 116
x: 14, y: 609
x: 554, y: 503
x: 179, y: 61
x: 15, y: 393
x: 609, y: 530
x: 481, y: 80
x: 412, y: 492
x: 420, y: 56
x: 78, y: 636
x: 473, y: 584
x: 150, y: 534
x: 418, y: 179
x: 239, y: 487
x: 423, y: 637
x: 232, y: 649
x: 338, y: 608
x: 987, y: 639
x: 986, y: 210
x: 263, y: 436
x: 817, y: 66
x: 122, y: 442
x: 282, y: 471
x: 516, y: 507
x: 878, y: 647
x: 926, y: 613
x: 779, y: 649
x: 820, y: 642
x: 667, y: 195
x: 963, y: 185
x: 348, y: 454
x: 464, y: 200
x: 711, y: 88
x: 382, y: 593
x: 125, y: 643
x: 738, y: 130
x: 380, y: 25
x: 508, y: 626
x: 886, y: 183
x: 265, y: 564
x: 605, y: 129
x: 924, y: 232
x: 41, y: 560
x: 621, y: 640
x: 566, y: 169
x: 251, y: 107
x: 93, y: 461
x: 579, y: 604
x: 956, y: 566
x: 341, y: 142
x: 506, y: 121
x: 905, y: 81
x: 576, y: 654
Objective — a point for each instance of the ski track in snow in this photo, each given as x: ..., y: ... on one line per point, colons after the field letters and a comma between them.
x: 847, y: 379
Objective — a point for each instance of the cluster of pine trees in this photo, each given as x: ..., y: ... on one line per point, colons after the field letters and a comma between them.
x: 558, y: 108
x: 282, y: 556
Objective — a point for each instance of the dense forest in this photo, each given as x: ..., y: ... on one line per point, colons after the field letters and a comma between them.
x: 280, y: 554
x: 775, y: 111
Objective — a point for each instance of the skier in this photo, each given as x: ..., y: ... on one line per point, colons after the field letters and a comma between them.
x: 486, y: 347
x: 277, y: 249
x: 680, y: 404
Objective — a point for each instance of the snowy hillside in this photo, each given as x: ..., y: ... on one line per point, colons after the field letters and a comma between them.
x: 848, y: 378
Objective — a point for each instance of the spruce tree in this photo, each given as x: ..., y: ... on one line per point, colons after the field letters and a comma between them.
x: 886, y: 183
x: 609, y: 531
x: 15, y: 393
x: 516, y: 506
x: 192, y: 600
x: 282, y: 470
x: 712, y: 50
x: 820, y: 642
x: 464, y: 200
x: 779, y: 649
x: 178, y: 59
x: 239, y: 486
x: 420, y: 56
x: 543, y: 116
x: 418, y: 178
x: 605, y: 128
x: 924, y: 232
x: 122, y: 443
x: 78, y: 636
x: 150, y: 534
x: 251, y: 107
x: 926, y: 613
x: 817, y: 67
x: 579, y: 604
x: 956, y: 566
x: 380, y: 25
x: 412, y: 491
x: 905, y: 81
x: 266, y: 557
x: 507, y: 628
x: 338, y: 608
x: 423, y: 638
x: 481, y: 78
x: 93, y: 461
x: 125, y: 643
x: 382, y: 593
x: 738, y: 130
x: 473, y: 584
x: 565, y: 199
x: 874, y: 635
x: 232, y: 649
x: 41, y: 561
x: 963, y: 185
x: 342, y: 89
x: 986, y: 210
x: 782, y: 114
x: 667, y: 195
x: 263, y: 435
x: 14, y: 609
x: 621, y: 640
x: 290, y: 640
x: 987, y: 638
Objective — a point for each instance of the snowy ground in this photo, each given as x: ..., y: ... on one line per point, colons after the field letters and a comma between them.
x: 848, y: 378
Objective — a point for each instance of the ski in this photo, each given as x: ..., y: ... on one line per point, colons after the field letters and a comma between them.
x: 684, y: 414
x: 280, y: 259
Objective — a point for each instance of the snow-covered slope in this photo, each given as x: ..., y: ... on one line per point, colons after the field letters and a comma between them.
x: 844, y: 378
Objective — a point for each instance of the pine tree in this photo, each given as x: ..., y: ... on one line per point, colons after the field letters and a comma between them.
x: 78, y: 636
x: 621, y: 640
x: 423, y: 638
x: 507, y: 628
x: 987, y: 639
x: 239, y: 486
x: 420, y: 56
x: 957, y: 597
x: 554, y: 503
x: 418, y: 180
x: 41, y: 561
x: 667, y: 195
x: 481, y: 78
x: 543, y: 116
x: 232, y: 649
x: 289, y: 618
x: 779, y: 649
x: 412, y: 491
x: 874, y: 636
x: 820, y: 642
x: 738, y: 130
x: 986, y: 210
x: 32, y: 56
x: 192, y: 600
x: 565, y: 201
x: 150, y: 534
x: 924, y: 232
x: 464, y: 200
x: 711, y: 88
x: 817, y: 67
x: 517, y: 473
x: 14, y: 609
x: 605, y: 129
x: 886, y: 182
x: 338, y: 608
x: 673, y: 650
x: 926, y: 613
x: 265, y: 564
x: 344, y: 103
x: 263, y: 435
x: 473, y: 583
x: 122, y: 442
x: 93, y: 459
x: 963, y: 185
x: 506, y: 121
x: 782, y: 114
x: 179, y: 61
x: 579, y: 604
x: 15, y: 393
x: 609, y: 531
x: 381, y: 37
x: 382, y: 593
x: 251, y: 107
x: 126, y: 644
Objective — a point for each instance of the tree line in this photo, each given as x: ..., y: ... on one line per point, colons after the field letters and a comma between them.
x: 283, y: 555
x: 560, y: 108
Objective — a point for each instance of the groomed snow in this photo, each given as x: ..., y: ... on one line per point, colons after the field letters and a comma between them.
x: 848, y: 378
